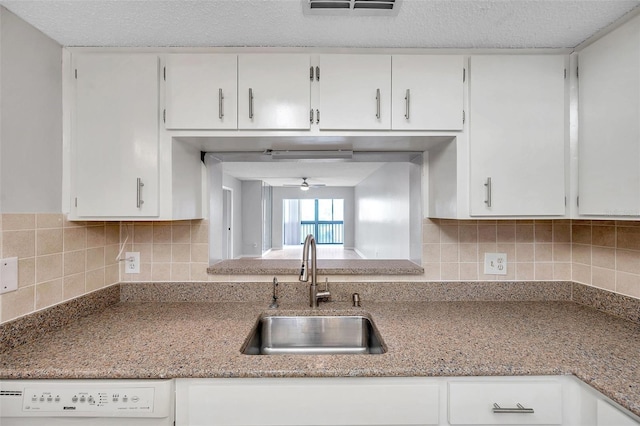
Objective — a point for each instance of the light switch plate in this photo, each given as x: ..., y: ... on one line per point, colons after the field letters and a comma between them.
x: 8, y: 274
x: 495, y: 264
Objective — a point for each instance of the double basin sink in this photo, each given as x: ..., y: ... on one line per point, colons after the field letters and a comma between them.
x: 313, y: 335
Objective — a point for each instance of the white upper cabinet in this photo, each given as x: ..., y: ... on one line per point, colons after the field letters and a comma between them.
x: 201, y: 91
x: 428, y: 92
x: 517, y: 135
x: 609, y: 136
x: 274, y: 91
x: 355, y: 92
x: 115, y: 135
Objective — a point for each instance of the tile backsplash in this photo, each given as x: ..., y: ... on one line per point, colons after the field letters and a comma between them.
x: 169, y: 251
x: 57, y: 260
x: 61, y: 260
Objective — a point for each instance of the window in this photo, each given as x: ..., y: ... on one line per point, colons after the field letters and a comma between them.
x: 324, y: 218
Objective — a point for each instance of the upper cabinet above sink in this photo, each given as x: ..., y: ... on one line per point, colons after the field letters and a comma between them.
x: 318, y: 93
x: 274, y: 92
x: 201, y: 91
x: 355, y: 92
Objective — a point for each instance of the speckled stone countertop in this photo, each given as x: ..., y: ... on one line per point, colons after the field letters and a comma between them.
x: 189, y: 339
x: 256, y: 266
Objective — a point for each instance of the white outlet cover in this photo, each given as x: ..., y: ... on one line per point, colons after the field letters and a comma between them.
x: 495, y: 264
x: 8, y: 274
x: 132, y: 263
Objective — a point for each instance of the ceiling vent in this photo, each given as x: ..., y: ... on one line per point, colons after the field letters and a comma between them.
x: 351, y: 7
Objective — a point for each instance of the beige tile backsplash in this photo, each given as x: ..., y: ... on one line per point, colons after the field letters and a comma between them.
x: 61, y: 260
x: 57, y: 260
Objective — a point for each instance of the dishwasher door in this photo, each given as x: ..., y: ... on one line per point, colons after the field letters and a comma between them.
x: 87, y: 402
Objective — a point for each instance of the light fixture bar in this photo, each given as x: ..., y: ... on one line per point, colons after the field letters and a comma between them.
x: 309, y: 155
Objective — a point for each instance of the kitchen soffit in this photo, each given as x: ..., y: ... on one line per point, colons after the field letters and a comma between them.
x: 282, y: 23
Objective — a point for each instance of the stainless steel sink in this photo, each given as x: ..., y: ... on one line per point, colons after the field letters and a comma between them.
x: 313, y: 335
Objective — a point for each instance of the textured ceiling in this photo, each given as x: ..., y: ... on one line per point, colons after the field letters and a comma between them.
x: 281, y: 23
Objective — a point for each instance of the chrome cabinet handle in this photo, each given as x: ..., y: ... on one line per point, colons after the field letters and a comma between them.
x: 220, y: 104
x: 317, y: 116
x: 519, y: 409
x: 251, y: 104
x: 311, y: 116
x: 139, y: 201
x: 377, y: 103
x: 487, y: 184
x: 407, y: 100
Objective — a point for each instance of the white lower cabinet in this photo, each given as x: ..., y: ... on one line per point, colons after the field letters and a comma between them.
x: 307, y: 401
x: 522, y: 400
x: 608, y: 415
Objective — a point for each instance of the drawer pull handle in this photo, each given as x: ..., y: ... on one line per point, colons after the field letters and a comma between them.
x: 518, y: 410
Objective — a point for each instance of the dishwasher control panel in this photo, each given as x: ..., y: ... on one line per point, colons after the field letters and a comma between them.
x: 88, y: 400
x: 134, y: 399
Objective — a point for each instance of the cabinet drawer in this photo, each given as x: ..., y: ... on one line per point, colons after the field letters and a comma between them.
x: 473, y: 403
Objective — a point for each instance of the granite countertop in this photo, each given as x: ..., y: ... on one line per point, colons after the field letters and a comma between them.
x: 189, y: 339
x: 258, y: 266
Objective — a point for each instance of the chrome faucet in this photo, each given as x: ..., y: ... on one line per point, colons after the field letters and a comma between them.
x: 314, y: 294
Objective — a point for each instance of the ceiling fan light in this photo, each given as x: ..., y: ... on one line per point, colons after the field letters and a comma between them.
x: 304, y: 188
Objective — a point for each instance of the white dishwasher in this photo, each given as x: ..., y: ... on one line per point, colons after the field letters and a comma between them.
x: 87, y: 402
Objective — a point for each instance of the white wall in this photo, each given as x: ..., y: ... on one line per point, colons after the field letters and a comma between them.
x: 345, y: 193
x: 30, y: 119
x: 236, y: 186
x: 383, y: 213
x: 214, y: 177
x: 252, y: 218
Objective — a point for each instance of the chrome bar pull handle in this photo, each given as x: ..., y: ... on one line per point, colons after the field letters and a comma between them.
x: 378, y: 103
x: 311, y: 116
x: 519, y: 409
x: 139, y: 201
x: 317, y: 116
x: 487, y: 184
x: 220, y: 104
x: 317, y: 73
x: 407, y: 100
x: 251, y: 104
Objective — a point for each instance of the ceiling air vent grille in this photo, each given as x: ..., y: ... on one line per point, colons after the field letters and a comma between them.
x: 351, y: 7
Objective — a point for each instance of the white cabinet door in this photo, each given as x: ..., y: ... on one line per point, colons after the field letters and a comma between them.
x: 115, y: 135
x: 517, y: 135
x: 609, y: 137
x: 201, y: 91
x: 274, y: 91
x: 608, y: 415
x: 355, y: 92
x: 307, y: 401
x: 428, y: 92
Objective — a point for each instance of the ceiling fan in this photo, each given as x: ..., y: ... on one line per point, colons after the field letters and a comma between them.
x: 304, y: 186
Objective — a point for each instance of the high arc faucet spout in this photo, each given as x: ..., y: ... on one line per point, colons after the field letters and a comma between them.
x: 309, y: 249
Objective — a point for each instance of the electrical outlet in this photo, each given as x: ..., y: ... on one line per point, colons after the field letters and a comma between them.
x: 495, y: 264
x: 8, y: 274
x: 132, y: 264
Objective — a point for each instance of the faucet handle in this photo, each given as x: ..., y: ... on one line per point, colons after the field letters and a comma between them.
x: 326, y: 284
